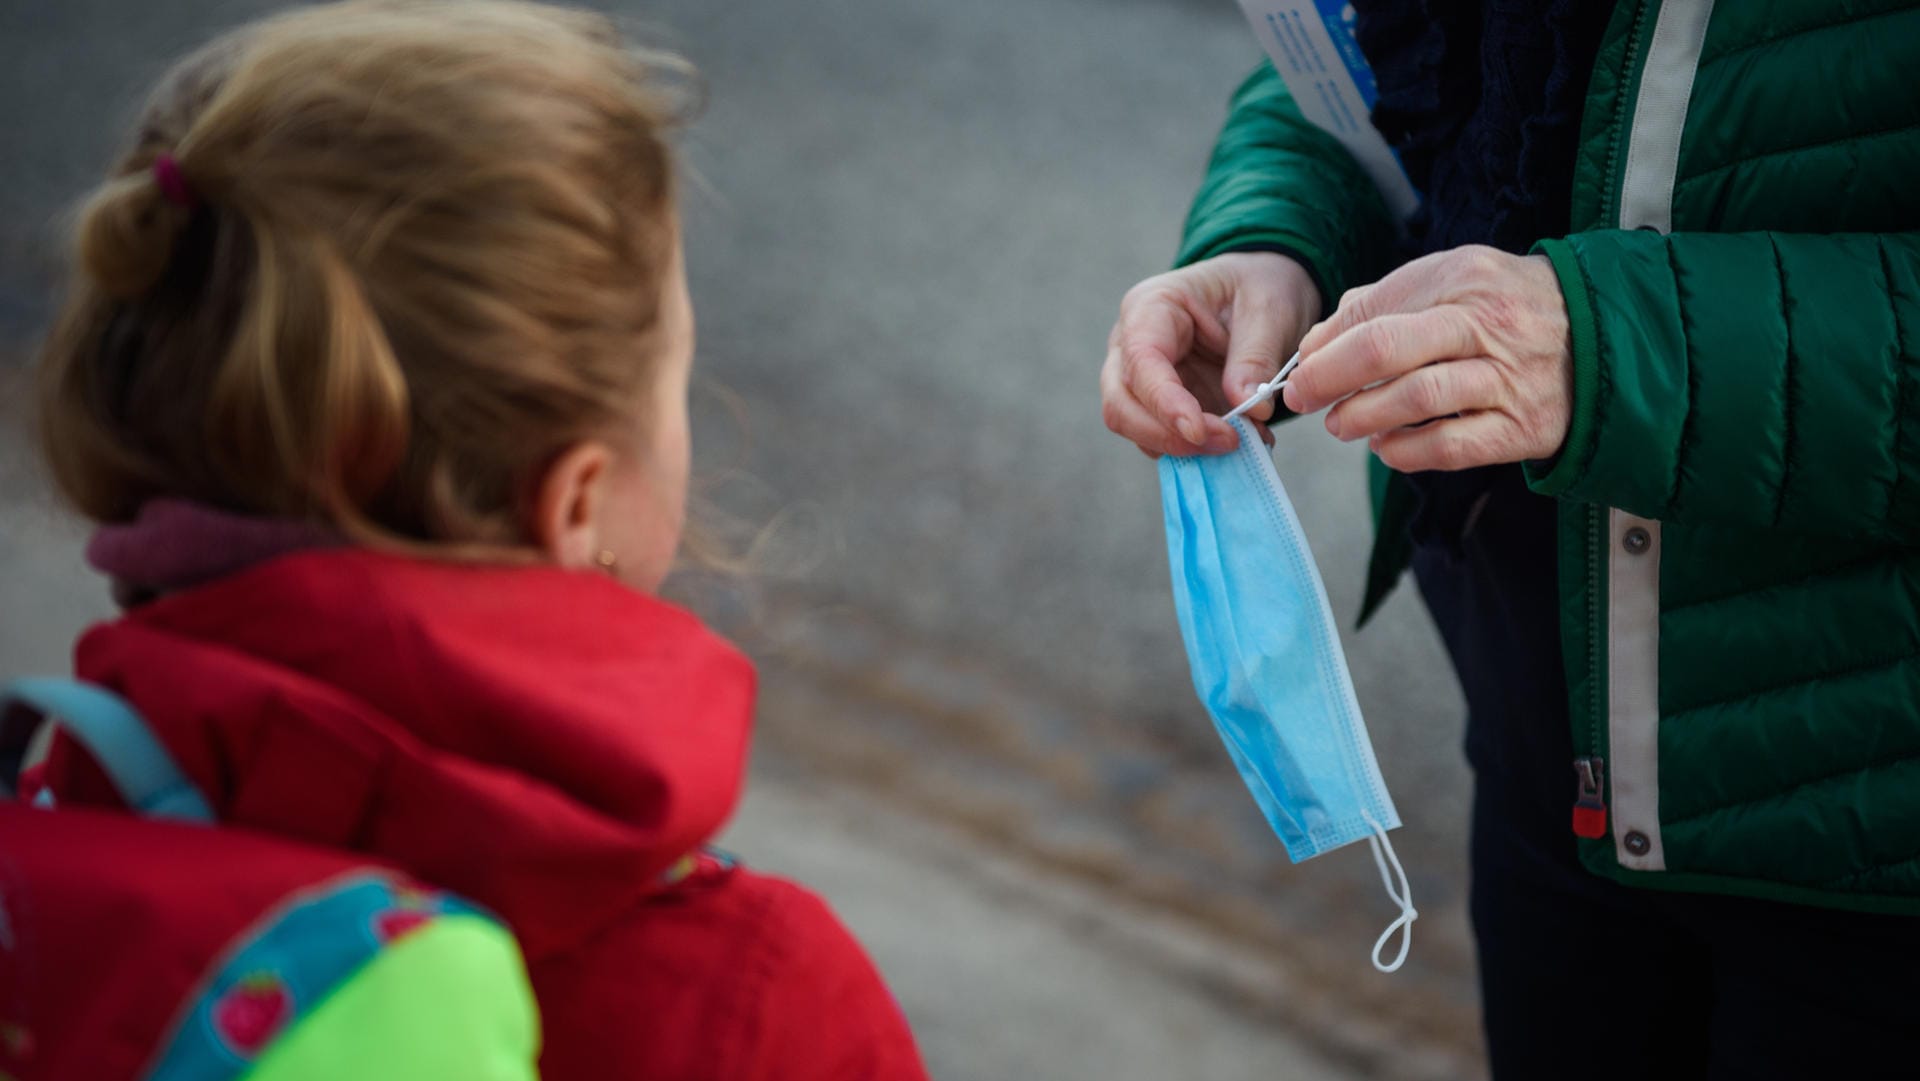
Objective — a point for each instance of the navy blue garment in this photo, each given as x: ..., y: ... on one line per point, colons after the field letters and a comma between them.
x: 1483, y: 103
x: 1581, y: 977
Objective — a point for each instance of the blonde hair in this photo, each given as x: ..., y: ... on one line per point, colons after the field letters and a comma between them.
x: 424, y: 253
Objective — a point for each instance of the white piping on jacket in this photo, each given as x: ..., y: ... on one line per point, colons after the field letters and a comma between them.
x: 1633, y: 573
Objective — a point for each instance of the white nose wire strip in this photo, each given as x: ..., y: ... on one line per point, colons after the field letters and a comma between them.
x: 1400, y: 892
x: 1266, y: 390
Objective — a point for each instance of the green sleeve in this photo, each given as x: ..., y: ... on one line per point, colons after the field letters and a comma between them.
x: 1278, y: 182
x: 449, y: 1000
x: 1744, y: 379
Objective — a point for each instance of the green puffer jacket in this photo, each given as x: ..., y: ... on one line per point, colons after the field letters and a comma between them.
x: 1740, y: 491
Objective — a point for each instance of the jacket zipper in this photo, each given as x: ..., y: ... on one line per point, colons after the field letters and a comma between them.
x: 1590, y: 806
x: 1622, y: 118
x: 1589, y: 767
x: 1590, y: 800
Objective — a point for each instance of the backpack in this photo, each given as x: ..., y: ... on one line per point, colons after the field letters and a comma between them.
x: 154, y: 944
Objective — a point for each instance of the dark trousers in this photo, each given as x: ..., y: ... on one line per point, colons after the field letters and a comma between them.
x: 1584, y: 978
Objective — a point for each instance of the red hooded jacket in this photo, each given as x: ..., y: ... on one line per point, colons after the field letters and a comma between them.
x: 548, y: 744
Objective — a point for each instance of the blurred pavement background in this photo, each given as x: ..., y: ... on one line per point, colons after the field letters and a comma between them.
x: 911, y: 228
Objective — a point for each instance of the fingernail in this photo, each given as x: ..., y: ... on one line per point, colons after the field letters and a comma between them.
x: 1191, y: 431
x: 1333, y: 425
x: 1291, y: 397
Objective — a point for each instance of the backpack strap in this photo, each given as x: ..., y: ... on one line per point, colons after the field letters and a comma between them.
x: 117, y: 737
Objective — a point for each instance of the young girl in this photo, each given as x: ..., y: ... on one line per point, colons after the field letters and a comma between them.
x: 374, y: 375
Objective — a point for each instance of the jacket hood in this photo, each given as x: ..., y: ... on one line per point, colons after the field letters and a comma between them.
x: 544, y: 742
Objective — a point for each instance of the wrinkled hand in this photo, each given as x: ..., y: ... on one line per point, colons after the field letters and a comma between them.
x: 1193, y: 343
x: 1456, y: 360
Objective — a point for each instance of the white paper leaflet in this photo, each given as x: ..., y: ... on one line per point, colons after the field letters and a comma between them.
x: 1312, y: 46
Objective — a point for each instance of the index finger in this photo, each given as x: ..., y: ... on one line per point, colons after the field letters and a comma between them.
x: 1414, y: 287
x: 1155, y: 385
x: 1378, y: 350
x: 1152, y: 338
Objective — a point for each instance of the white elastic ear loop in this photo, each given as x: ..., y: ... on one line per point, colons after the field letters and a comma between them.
x: 1267, y: 389
x: 1401, y: 893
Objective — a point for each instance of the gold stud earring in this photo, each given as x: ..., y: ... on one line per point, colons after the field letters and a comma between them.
x: 607, y: 561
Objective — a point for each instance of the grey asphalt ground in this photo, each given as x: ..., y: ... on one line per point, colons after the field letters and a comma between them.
x: 1029, y: 975
x: 912, y: 226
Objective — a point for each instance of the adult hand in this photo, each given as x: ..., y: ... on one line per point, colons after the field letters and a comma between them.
x: 1192, y: 343
x: 1455, y: 360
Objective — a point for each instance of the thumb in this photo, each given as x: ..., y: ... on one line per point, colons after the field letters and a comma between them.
x: 1255, y: 348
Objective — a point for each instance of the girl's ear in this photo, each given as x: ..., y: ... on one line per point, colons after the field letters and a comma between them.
x: 569, y: 503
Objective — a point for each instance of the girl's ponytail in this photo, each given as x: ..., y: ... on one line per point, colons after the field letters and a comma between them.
x: 371, y: 265
x: 127, y: 232
x: 251, y: 333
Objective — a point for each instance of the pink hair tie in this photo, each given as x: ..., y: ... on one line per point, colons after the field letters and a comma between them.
x: 173, y: 186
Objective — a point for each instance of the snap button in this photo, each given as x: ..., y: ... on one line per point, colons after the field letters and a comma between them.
x: 1637, y: 541
x: 1637, y: 842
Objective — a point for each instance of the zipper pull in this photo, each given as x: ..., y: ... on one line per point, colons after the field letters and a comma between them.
x: 1590, y: 807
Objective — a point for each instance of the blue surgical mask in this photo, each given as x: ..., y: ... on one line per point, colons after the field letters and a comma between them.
x: 1267, y: 662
